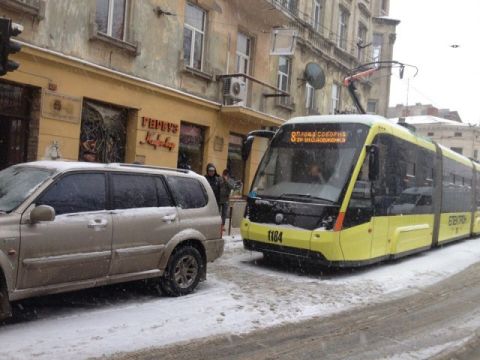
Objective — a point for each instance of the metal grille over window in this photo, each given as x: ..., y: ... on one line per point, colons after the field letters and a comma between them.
x: 103, y: 133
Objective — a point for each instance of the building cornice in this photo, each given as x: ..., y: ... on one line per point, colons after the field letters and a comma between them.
x: 386, y: 20
x: 134, y: 80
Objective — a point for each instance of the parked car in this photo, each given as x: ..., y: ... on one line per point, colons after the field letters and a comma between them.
x: 69, y: 225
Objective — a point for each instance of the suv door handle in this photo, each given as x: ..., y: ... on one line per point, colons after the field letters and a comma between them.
x: 97, y: 223
x: 169, y: 218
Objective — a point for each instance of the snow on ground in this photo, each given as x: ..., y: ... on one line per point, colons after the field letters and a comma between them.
x: 242, y: 293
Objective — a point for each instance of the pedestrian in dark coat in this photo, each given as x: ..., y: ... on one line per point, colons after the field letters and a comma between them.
x: 226, y: 186
x: 215, y: 181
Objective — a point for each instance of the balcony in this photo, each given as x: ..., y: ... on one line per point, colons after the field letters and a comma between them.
x: 274, y: 13
x: 290, y: 6
x: 31, y: 7
x: 246, y: 96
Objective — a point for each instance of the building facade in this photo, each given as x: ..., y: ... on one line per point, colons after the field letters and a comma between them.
x: 179, y: 83
x: 460, y: 137
x: 419, y: 109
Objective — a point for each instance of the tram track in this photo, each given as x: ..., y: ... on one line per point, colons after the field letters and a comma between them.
x: 433, y: 321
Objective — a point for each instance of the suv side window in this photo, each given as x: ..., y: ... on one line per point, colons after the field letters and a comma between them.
x: 133, y: 191
x: 75, y: 193
x: 188, y: 193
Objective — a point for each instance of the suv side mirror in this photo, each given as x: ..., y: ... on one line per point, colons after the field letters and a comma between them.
x: 373, y: 162
x: 42, y: 213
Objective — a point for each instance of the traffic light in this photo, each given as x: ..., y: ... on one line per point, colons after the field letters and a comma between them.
x: 7, y: 47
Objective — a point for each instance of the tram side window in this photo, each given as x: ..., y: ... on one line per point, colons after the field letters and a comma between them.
x: 403, y: 178
x: 478, y: 191
x: 405, y: 185
x: 457, y: 189
x: 423, y: 189
x: 396, y: 189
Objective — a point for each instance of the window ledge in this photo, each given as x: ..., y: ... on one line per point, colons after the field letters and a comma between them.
x: 290, y: 107
x: 128, y: 47
x: 197, y: 73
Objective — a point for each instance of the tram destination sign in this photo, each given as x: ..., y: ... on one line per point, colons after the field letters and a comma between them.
x: 318, y: 137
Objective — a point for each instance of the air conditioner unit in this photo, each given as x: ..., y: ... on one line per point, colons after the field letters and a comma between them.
x: 234, y: 89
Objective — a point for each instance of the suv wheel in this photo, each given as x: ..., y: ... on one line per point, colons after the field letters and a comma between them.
x: 183, y: 272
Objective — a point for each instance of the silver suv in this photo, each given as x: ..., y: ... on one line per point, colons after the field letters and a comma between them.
x: 68, y: 225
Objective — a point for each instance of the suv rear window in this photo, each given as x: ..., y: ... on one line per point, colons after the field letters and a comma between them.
x: 188, y: 193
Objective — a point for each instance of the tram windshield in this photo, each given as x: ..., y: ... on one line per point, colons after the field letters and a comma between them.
x: 310, y: 162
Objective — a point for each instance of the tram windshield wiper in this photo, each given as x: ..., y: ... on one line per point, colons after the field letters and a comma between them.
x: 305, y: 197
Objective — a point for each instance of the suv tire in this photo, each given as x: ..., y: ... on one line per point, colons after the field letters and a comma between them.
x: 184, y: 270
x: 5, y: 308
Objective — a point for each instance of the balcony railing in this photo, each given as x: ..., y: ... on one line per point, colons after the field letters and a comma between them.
x: 290, y: 6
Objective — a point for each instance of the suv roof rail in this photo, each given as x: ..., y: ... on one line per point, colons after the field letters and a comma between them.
x: 140, y: 166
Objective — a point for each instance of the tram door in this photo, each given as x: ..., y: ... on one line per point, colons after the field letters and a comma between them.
x: 363, y: 231
x: 382, y: 196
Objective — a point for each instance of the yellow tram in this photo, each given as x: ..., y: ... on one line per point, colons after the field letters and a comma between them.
x: 350, y: 190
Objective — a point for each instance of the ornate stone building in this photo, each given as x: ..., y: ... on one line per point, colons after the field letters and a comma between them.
x: 152, y: 81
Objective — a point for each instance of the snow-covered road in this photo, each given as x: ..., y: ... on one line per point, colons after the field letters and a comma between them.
x: 242, y: 293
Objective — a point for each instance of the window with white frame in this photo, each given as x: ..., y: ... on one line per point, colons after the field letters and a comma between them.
x: 111, y: 18
x: 372, y: 107
x: 377, y: 47
x: 342, y: 29
x: 310, y: 98
x: 317, y: 15
x: 194, y: 36
x: 361, y: 42
x: 244, y: 50
x: 335, y: 103
x: 283, y: 77
x: 384, y: 7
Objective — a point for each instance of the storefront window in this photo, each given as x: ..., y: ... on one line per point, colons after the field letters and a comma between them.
x: 190, y: 153
x: 235, y: 163
x: 104, y: 133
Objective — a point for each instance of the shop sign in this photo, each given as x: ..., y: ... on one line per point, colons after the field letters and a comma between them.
x: 159, y: 138
x: 155, y: 124
x: 325, y: 137
x: 218, y: 143
x: 61, y: 107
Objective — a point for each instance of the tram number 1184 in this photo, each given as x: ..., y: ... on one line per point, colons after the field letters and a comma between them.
x: 275, y: 236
